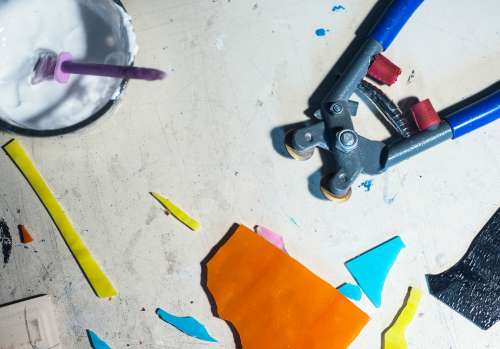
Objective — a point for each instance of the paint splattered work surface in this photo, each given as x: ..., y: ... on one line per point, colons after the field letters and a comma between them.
x: 210, y: 137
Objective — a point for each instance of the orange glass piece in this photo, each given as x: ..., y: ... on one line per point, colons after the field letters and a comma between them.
x: 25, y: 234
x: 273, y: 301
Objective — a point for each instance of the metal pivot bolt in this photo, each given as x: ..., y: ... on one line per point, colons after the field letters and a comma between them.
x: 337, y: 108
x: 347, y: 140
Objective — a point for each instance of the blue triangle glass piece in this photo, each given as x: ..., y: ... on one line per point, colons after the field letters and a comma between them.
x: 96, y: 342
x: 350, y: 291
x: 370, y: 269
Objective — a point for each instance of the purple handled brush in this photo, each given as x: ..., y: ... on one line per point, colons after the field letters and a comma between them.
x: 60, y: 67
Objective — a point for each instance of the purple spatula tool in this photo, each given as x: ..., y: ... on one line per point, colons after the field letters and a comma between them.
x: 60, y: 67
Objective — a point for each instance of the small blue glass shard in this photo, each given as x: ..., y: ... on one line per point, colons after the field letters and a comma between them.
x: 187, y: 324
x: 351, y: 291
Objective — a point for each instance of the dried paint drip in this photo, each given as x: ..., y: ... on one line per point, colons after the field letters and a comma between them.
x: 337, y: 8
x: 366, y: 185
x: 321, y: 31
x: 6, y: 240
x: 293, y: 221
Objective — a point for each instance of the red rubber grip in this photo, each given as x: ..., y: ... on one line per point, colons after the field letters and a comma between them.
x: 425, y: 115
x: 383, y: 70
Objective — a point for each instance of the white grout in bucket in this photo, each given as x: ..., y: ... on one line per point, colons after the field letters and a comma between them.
x: 97, y: 31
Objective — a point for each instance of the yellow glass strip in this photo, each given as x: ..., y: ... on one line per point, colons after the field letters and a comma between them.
x: 394, y: 336
x: 177, y: 212
x: 96, y: 277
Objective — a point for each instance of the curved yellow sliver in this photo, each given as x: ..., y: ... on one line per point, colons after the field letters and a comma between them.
x: 394, y: 336
x: 96, y: 277
x: 177, y: 212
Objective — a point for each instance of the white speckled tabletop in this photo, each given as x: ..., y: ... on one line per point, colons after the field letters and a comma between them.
x: 207, y: 137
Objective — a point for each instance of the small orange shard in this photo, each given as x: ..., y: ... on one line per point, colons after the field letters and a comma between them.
x: 275, y: 302
x: 25, y: 234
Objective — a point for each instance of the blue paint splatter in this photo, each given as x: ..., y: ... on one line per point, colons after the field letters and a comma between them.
x: 293, y: 221
x: 366, y: 185
x: 337, y: 8
x: 389, y: 200
x: 321, y: 31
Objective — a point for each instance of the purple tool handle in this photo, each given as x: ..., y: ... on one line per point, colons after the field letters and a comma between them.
x: 114, y: 71
x: 65, y: 66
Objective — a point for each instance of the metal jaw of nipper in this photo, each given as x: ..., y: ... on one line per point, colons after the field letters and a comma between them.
x: 354, y: 154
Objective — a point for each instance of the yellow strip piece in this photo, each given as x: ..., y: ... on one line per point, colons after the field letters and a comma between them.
x: 177, y: 212
x: 98, y: 280
x: 394, y: 336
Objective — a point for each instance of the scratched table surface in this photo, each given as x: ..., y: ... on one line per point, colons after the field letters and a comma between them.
x: 210, y: 138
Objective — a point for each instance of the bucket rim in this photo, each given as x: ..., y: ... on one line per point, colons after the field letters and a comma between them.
x: 23, y: 131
